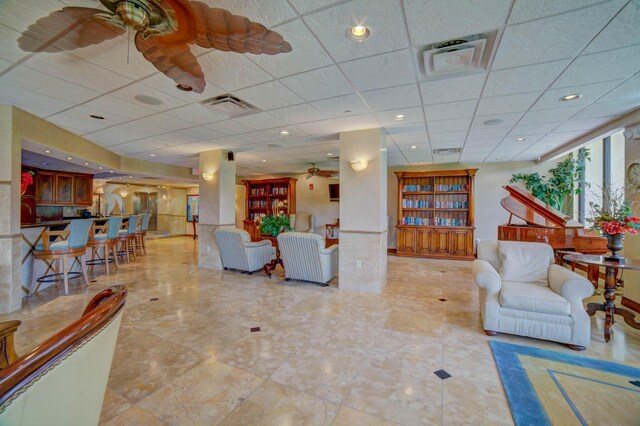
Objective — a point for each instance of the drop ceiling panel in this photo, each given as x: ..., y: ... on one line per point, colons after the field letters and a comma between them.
x: 407, y: 129
x: 128, y: 94
x: 549, y: 115
x: 537, y: 41
x: 19, y: 14
x: 163, y: 84
x: 318, y: 84
x: 449, y: 125
x: 138, y: 129
x: 298, y: 114
x: 526, y: 10
x: 231, y: 71
x: 194, y: 114
x: 270, y: 95
x: 533, y: 129
x: 530, y: 78
x: 508, y: 120
x: 622, y: 31
x: 411, y: 116
x: 482, y: 142
x: 305, y: 6
x: 341, y: 106
x: 10, y: 51
x: 629, y: 90
x: 383, y: 18
x: 606, y: 109
x: 268, y: 13
x: 409, y: 140
x: 426, y: 23
x: 306, y: 52
x: 228, y: 127
x: 319, y: 127
x: 375, y: 72
x: 450, y: 110
x: 507, y: 104
x: 493, y: 132
x: 260, y: 121
x: 589, y: 93
x: 393, y: 98
x: 452, y: 89
x: 584, y: 125
x: 448, y: 136
x: 355, y: 122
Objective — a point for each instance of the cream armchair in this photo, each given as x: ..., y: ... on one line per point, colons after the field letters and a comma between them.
x: 302, y: 222
x: 305, y: 257
x: 523, y: 292
x: 238, y: 252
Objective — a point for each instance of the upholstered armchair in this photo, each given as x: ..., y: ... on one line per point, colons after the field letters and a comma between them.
x: 302, y: 222
x: 305, y: 257
x: 238, y: 252
x: 523, y: 292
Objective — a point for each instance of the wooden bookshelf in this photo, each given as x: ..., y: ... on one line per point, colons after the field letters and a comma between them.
x: 262, y: 196
x: 435, y: 214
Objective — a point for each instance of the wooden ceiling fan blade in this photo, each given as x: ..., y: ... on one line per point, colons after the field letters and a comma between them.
x: 220, y: 29
x: 67, y: 29
x: 174, y: 60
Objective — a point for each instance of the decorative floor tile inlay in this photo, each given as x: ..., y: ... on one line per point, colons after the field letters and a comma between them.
x: 442, y: 299
x: 254, y: 329
x: 154, y: 299
x: 442, y: 374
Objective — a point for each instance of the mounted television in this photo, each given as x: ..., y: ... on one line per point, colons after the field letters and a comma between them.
x: 334, y: 192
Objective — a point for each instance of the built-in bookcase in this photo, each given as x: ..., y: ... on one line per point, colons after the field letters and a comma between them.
x: 435, y: 214
x: 263, y: 197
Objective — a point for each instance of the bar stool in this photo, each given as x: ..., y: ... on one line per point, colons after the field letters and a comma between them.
x: 142, y: 233
x: 127, y: 238
x: 72, y: 243
x: 107, y: 241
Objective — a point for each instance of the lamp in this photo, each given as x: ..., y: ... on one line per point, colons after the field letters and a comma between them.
x: 358, y: 165
x: 99, y: 191
x: 207, y: 176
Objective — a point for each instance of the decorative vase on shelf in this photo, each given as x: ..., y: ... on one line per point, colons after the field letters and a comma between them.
x: 614, y: 244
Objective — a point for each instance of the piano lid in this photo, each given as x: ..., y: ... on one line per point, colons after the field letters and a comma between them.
x: 535, y: 212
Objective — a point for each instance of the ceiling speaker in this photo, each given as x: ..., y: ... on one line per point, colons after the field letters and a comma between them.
x: 230, y: 156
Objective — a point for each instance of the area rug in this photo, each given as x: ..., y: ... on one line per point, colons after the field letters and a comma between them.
x: 545, y: 387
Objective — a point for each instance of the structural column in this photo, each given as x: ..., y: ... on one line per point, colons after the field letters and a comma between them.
x: 363, y: 211
x: 217, y: 203
x: 10, y: 237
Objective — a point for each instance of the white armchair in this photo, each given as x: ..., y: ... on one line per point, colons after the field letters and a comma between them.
x: 523, y: 292
x: 302, y: 222
x: 238, y: 252
x: 305, y: 257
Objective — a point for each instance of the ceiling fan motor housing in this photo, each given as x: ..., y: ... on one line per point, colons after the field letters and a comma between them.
x: 134, y: 13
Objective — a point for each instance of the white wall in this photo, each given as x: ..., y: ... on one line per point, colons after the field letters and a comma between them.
x: 632, y: 242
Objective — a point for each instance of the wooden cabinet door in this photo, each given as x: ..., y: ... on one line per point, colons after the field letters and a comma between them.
x: 461, y: 242
x: 424, y: 241
x: 45, y: 187
x: 83, y: 192
x: 441, y: 242
x: 406, y: 240
x: 64, y: 188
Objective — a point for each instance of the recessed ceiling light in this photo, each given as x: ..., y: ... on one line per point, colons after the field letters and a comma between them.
x: 184, y: 87
x: 46, y: 151
x: 100, y: 167
x: 493, y: 122
x: 399, y: 117
x: 413, y: 147
x: 120, y: 177
x: 110, y: 171
x: 86, y: 164
x: 498, y: 158
x: 521, y: 139
x: 130, y: 177
x: 571, y: 97
x: 347, y: 111
x: 149, y: 100
x: 69, y: 158
x: 97, y: 117
x: 284, y: 133
x: 358, y: 33
x: 420, y: 162
x: 45, y: 164
x: 274, y: 145
x: 264, y: 161
x: 329, y: 154
x: 152, y: 155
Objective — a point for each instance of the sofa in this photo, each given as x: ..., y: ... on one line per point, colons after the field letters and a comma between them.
x: 238, y: 252
x: 305, y: 257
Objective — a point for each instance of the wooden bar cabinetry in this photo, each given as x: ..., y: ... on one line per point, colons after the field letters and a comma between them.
x: 59, y: 189
x: 435, y: 214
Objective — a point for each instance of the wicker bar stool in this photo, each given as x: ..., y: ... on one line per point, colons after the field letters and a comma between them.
x: 107, y: 240
x: 127, y: 238
x: 72, y: 243
x: 142, y: 233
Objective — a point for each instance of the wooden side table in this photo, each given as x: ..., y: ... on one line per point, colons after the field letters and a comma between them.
x: 269, y: 267
x: 194, y: 220
x: 331, y: 236
x: 610, y: 284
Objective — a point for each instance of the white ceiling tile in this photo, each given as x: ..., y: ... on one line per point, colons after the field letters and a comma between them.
x: 446, y: 159
x: 195, y: 114
x: 270, y: 95
x: 530, y: 78
x: 604, y: 66
x: 585, y: 125
x: 449, y: 125
x: 497, y: 132
x: 411, y: 116
x: 260, y: 121
x: 407, y: 129
x: 622, y: 31
x: 377, y: 72
x: 507, y: 104
x: 529, y: 139
x: 427, y: 24
x: 607, y: 109
x: 228, y: 127
x: 460, y: 109
x: 448, y: 136
x: 10, y: 51
x: 393, y: 98
x: 452, y: 89
x: 589, y: 93
x: 319, y: 127
x: 266, y: 12
x: 231, y: 71
x: 549, y: 115
x: 537, y: 41
x: 164, y: 84
x: 482, y: 142
x: 383, y: 18
x: 305, y: 6
x: 355, y: 122
x: 338, y: 107
x: 306, y: 53
x: 19, y: 14
x: 527, y: 10
x: 129, y: 93
x: 418, y: 139
x: 629, y: 90
x: 533, y: 129
x: 319, y: 84
x: 200, y: 133
x: 508, y: 120
x: 297, y: 114
x: 138, y: 129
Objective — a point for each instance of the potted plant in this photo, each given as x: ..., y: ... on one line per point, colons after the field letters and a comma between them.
x: 614, y: 219
x: 276, y: 223
x: 558, y: 189
x: 26, y: 180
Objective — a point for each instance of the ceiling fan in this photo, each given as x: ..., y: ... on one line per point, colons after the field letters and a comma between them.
x: 314, y: 171
x: 164, y: 31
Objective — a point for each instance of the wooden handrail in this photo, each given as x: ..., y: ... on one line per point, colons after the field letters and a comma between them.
x: 101, y: 310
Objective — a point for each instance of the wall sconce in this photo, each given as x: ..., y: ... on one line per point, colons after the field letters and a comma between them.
x: 124, y: 194
x: 358, y: 165
x: 207, y: 176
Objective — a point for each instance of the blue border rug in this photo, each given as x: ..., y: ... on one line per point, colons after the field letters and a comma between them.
x: 524, y: 402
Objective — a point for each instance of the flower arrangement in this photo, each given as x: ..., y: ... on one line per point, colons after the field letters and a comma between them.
x: 27, y: 179
x: 613, y: 216
x: 277, y: 222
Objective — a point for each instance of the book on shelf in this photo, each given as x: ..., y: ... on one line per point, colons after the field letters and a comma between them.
x: 418, y: 188
x: 416, y: 204
x: 452, y: 188
x: 451, y: 204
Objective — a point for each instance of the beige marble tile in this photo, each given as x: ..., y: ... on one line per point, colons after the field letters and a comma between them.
x: 134, y: 416
x: 350, y: 417
x: 113, y: 405
x: 275, y: 404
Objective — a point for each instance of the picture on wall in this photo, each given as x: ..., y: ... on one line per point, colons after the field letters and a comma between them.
x: 193, y: 206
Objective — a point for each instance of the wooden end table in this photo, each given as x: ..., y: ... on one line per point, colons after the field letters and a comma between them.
x: 269, y: 267
x: 610, y: 284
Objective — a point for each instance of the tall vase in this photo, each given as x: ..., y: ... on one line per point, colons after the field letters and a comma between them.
x: 614, y: 243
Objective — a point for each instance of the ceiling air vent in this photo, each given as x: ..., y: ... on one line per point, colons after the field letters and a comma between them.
x: 458, y: 56
x: 230, y: 106
x: 447, y: 151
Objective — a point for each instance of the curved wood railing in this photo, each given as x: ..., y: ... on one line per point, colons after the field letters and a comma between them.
x: 101, y: 310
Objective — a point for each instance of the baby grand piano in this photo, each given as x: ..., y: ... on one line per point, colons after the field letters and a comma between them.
x: 544, y: 224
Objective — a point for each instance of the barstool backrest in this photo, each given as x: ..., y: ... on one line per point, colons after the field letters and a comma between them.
x: 79, y: 232
x: 145, y: 222
x: 133, y: 224
x: 115, y: 222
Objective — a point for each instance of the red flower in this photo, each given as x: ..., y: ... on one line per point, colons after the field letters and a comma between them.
x: 27, y: 179
x: 613, y: 227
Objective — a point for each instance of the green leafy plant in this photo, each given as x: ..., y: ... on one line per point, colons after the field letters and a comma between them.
x: 274, y: 225
x: 558, y: 189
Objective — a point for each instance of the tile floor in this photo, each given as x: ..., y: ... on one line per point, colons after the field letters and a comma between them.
x: 323, y: 356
